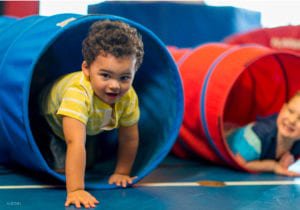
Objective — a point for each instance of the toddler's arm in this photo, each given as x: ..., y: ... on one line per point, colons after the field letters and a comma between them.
x: 267, y: 166
x: 75, y: 135
x: 127, y: 149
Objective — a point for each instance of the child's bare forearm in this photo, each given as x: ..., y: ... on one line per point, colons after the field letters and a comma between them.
x: 75, y: 166
x: 262, y: 165
x: 74, y: 132
x: 126, y: 156
x: 128, y: 145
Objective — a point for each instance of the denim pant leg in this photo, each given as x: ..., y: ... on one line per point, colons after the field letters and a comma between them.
x: 92, y: 151
x: 58, y: 149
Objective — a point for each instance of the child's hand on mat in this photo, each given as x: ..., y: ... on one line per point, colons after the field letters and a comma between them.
x: 121, y: 180
x: 280, y: 170
x: 79, y: 197
x: 286, y: 160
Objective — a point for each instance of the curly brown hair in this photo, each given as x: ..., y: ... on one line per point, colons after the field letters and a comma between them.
x: 112, y: 37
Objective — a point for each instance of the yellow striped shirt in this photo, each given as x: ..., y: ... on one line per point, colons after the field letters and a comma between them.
x: 72, y: 96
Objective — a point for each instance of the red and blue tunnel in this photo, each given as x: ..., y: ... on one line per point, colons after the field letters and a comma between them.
x: 279, y: 38
x: 231, y: 84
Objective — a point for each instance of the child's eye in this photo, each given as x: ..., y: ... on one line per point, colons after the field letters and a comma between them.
x: 105, y: 75
x: 125, y: 78
x: 291, y: 111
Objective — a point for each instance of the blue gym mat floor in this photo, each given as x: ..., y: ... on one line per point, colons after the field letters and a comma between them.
x: 172, y: 185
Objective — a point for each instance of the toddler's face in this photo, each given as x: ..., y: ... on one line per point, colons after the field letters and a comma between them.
x: 110, y: 77
x: 288, y: 121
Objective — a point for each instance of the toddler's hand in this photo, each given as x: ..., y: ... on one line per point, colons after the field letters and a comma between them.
x: 286, y: 160
x: 282, y: 170
x: 121, y: 180
x: 79, y: 197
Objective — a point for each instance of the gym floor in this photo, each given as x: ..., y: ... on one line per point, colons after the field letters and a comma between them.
x: 175, y: 184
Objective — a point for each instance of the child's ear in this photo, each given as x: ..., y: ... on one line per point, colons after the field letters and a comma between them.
x: 85, y: 69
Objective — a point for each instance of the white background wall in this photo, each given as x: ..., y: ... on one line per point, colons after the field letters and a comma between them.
x: 273, y: 12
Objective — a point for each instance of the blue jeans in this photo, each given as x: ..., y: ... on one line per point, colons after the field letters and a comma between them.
x: 58, y: 150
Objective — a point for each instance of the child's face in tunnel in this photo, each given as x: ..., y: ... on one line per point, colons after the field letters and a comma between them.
x: 110, y: 77
x: 288, y: 121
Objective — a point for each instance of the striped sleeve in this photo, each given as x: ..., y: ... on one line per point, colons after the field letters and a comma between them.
x: 75, y: 104
x: 245, y: 142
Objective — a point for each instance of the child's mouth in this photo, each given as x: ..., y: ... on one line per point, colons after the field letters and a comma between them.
x: 112, y: 95
x: 289, y: 128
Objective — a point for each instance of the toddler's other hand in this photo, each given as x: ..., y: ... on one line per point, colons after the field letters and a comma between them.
x: 121, y: 180
x: 286, y: 160
x: 280, y: 170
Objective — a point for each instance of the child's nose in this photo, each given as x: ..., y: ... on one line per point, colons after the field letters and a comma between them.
x: 293, y: 119
x: 114, y: 85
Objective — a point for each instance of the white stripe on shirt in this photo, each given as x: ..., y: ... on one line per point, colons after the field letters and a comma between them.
x: 74, y: 112
x: 75, y: 100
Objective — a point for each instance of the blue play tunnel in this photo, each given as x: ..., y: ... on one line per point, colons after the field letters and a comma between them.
x: 6, y: 21
x: 36, y: 50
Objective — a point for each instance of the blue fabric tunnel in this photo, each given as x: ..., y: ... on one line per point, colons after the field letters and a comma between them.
x: 36, y: 50
x: 6, y: 21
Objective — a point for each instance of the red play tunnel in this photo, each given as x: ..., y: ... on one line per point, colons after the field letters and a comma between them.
x: 230, y: 84
x: 280, y: 38
x: 178, y: 53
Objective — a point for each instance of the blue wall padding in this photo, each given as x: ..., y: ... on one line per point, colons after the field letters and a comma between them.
x: 48, y: 47
x: 183, y: 24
